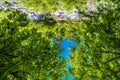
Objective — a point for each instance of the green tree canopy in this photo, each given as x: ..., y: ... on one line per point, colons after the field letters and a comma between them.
x: 99, y: 53
x: 24, y: 53
x: 29, y: 54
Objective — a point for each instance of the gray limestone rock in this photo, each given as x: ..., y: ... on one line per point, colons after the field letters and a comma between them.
x: 22, y: 10
x: 92, y: 5
x: 40, y: 15
x: 32, y: 15
x: 60, y: 14
x: 1, y: 4
x: 3, y: 7
x: 73, y: 15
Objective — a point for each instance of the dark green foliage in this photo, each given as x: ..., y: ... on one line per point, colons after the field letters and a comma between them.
x: 24, y: 53
x: 29, y: 54
x: 102, y: 37
x: 48, y: 20
x: 9, y: 38
x: 7, y: 4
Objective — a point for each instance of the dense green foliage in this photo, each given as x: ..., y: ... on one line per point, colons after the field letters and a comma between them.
x: 26, y: 51
x: 48, y: 5
x: 99, y: 55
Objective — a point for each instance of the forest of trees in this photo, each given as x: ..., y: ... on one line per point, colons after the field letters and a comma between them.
x: 27, y: 51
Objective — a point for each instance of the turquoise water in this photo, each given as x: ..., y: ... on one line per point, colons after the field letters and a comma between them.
x: 66, y: 44
x: 65, y: 54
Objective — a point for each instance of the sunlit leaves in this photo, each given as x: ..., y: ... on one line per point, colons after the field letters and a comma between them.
x: 26, y: 53
x: 99, y: 40
x: 32, y: 56
x: 47, y: 5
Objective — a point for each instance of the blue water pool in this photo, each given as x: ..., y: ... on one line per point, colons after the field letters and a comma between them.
x: 65, y: 54
x: 66, y: 44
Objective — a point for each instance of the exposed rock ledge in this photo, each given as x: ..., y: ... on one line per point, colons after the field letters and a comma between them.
x: 57, y: 15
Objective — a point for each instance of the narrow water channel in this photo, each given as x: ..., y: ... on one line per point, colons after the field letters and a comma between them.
x: 65, y: 54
